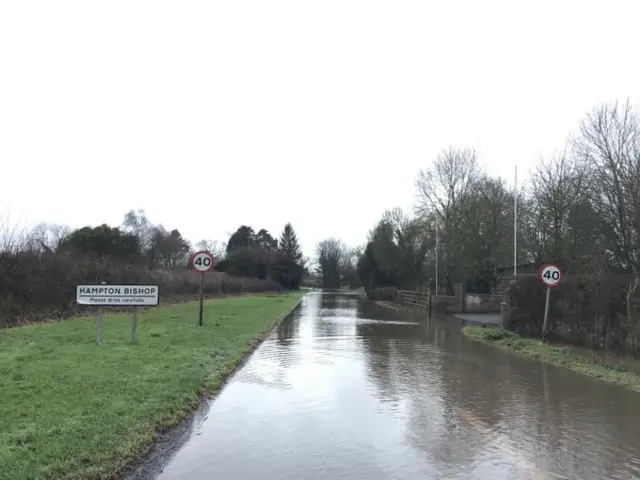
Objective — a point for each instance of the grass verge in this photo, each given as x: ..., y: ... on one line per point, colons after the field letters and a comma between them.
x: 612, y: 373
x: 71, y: 409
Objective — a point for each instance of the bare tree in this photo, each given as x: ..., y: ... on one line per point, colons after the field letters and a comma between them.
x: 46, y: 237
x: 216, y: 248
x: 487, y: 223
x: 445, y: 186
x: 610, y: 141
x: 12, y: 242
x: 444, y: 191
x: 560, y: 222
x: 12, y: 236
x: 137, y: 223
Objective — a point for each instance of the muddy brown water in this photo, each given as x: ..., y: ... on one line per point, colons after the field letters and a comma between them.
x: 345, y: 389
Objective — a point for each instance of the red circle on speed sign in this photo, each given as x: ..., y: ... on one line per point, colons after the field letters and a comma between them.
x: 550, y: 275
x: 202, y: 261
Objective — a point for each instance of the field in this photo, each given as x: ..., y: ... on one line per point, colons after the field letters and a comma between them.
x: 498, y: 336
x: 72, y: 409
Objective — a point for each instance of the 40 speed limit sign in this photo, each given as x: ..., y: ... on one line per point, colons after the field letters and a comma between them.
x: 202, y: 261
x: 550, y: 275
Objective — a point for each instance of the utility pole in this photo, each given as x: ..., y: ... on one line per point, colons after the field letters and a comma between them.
x: 437, y: 248
x: 515, y: 225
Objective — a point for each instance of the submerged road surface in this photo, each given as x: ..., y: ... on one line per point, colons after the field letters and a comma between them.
x: 348, y: 390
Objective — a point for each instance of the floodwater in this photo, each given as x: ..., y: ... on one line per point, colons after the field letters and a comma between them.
x: 345, y: 389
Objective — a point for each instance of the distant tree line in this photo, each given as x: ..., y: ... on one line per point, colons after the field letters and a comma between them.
x: 138, y: 242
x: 39, y: 268
x: 579, y: 209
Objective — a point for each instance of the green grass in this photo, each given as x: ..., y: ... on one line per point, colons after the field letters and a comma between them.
x: 72, y: 409
x: 612, y: 373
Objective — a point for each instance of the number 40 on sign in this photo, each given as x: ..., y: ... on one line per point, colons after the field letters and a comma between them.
x: 202, y: 261
x: 550, y: 275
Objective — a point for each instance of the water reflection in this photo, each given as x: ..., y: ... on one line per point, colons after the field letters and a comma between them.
x: 347, y: 389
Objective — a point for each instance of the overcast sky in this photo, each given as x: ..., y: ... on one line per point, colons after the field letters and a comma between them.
x: 209, y: 115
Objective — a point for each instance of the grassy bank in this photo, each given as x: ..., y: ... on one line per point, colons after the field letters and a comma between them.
x: 72, y: 409
x: 612, y: 373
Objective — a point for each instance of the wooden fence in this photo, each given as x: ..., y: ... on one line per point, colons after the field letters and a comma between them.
x: 415, y: 298
x: 477, y: 303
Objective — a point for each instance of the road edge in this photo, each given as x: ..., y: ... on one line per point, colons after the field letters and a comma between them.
x: 553, y: 355
x: 170, y: 440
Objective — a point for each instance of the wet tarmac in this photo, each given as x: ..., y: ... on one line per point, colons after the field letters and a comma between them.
x: 345, y: 389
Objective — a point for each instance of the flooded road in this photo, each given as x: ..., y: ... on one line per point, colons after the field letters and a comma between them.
x: 348, y: 390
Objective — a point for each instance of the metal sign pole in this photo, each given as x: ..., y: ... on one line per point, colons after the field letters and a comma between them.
x: 99, y: 328
x: 100, y: 321
x: 546, y: 315
x: 201, y: 294
x: 437, y: 248
x: 515, y: 226
x: 134, y: 327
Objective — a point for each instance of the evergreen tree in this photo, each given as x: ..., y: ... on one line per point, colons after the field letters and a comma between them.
x: 243, y: 237
x: 289, y: 245
x: 291, y: 263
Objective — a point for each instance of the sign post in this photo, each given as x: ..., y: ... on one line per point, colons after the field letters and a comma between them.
x: 104, y: 295
x: 202, y: 262
x: 100, y: 321
x: 134, y: 326
x: 99, y: 326
x: 550, y: 276
x: 201, y: 298
x: 430, y: 296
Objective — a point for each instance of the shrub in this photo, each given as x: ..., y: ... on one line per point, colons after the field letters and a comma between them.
x: 495, y: 334
x: 39, y: 285
x: 586, y: 310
